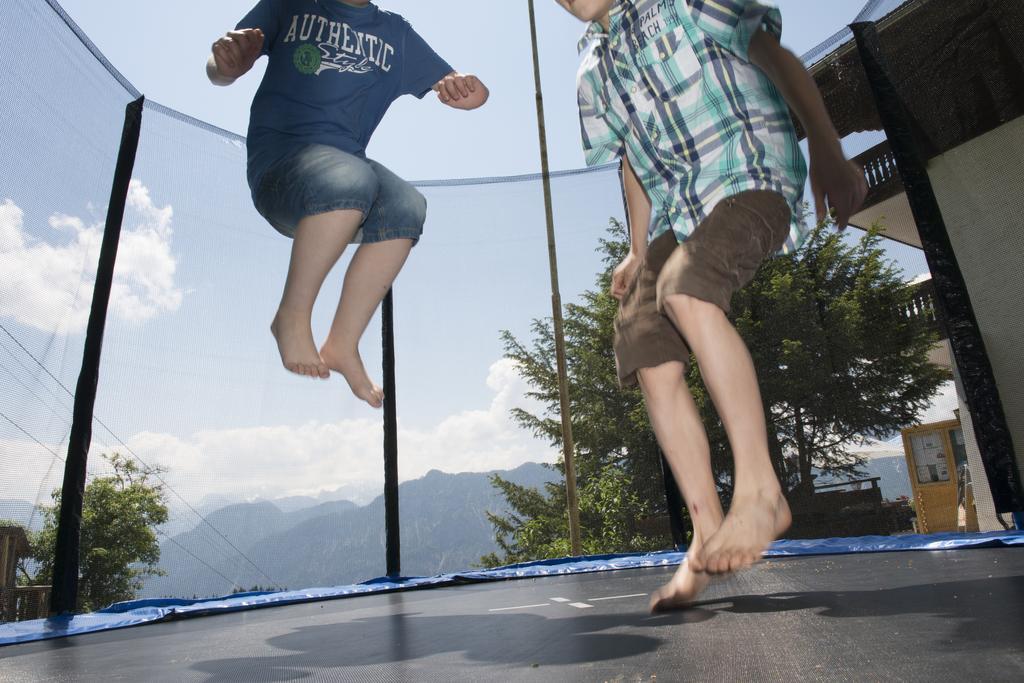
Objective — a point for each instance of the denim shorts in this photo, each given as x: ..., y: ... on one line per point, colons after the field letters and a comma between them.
x: 316, y: 179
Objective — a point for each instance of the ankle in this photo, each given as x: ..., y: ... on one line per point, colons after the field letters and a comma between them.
x: 759, y: 491
x: 340, y: 346
x: 704, y: 529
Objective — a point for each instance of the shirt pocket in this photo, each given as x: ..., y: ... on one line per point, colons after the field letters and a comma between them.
x: 669, y: 65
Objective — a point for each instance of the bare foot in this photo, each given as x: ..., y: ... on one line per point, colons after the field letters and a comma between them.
x: 350, y: 365
x: 295, y: 343
x: 753, y: 522
x: 681, y: 590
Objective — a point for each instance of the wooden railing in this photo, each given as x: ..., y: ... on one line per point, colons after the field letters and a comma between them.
x: 881, y: 173
x: 24, y: 603
x: 856, y: 485
x: 922, y: 306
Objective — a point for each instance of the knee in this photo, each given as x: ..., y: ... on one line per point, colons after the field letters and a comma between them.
x: 690, y: 313
x: 410, y: 210
x: 329, y: 175
x: 661, y: 381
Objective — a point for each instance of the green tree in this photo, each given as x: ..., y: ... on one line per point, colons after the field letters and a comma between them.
x: 838, y: 360
x: 838, y: 357
x: 119, y: 546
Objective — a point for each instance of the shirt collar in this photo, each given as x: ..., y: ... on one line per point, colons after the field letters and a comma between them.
x: 596, y: 32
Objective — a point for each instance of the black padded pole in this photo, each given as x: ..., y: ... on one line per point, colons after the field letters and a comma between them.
x: 391, y: 519
x: 64, y: 596
x: 674, y: 501
x: 673, y: 498
x: 951, y: 295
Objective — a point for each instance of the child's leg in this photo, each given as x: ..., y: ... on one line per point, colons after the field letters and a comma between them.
x: 694, y: 291
x: 319, y: 242
x: 371, y: 273
x: 649, y: 347
x: 392, y: 226
x: 758, y: 513
x: 681, y: 434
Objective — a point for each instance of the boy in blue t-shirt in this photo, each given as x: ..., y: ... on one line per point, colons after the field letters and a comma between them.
x: 694, y: 97
x: 335, y: 66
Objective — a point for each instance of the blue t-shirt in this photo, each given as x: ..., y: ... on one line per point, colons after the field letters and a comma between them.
x: 334, y: 70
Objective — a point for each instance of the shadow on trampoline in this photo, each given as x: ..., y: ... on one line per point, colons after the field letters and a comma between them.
x: 512, y: 639
x: 975, y: 606
x: 983, y: 616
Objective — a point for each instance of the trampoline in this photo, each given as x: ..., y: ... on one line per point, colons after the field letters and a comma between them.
x: 908, y: 616
x: 908, y: 608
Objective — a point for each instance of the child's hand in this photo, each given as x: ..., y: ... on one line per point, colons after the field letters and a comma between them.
x: 236, y: 52
x: 461, y: 91
x: 838, y: 185
x: 624, y: 274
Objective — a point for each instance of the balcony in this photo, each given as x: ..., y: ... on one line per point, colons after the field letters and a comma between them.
x: 922, y: 306
x: 886, y: 201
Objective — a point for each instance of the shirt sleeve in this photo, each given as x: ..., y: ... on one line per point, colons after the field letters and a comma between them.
x: 421, y: 66
x: 733, y: 23
x: 602, y: 141
x: 265, y: 16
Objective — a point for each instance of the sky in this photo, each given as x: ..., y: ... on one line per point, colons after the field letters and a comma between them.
x: 161, y: 47
x: 191, y: 378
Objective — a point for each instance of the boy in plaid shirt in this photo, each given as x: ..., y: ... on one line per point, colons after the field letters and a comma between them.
x: 692, y: 95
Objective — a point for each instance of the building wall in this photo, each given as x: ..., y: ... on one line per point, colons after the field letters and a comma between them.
x: 980, y: 189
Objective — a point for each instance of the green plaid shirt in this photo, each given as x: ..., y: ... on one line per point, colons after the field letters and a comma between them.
x: 670, y: 86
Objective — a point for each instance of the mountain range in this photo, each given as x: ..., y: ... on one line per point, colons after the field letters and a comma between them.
x: 443, y: 528
x: 305, y: 542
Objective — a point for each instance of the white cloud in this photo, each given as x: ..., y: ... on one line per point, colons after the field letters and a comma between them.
x: 942, y: 406
x: 923, y: 277
x: 277, y: 461
x: 306, y: 460
x: 48, y: 284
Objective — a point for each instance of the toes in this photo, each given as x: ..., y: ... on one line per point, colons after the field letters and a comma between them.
x: 665, y: 599
x: 736, y: 562
x: 713, y: 562
x: 654, y: 605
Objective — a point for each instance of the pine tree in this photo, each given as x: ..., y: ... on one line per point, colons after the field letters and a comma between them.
x: 838, y: 359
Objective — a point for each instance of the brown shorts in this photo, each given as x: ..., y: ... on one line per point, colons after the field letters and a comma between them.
x: 720, y: 257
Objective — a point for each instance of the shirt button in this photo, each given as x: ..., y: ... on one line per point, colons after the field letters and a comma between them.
x: 634, y: 89
x: 661, y: 56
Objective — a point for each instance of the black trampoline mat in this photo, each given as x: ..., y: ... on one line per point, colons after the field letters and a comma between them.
x: 909, y: 616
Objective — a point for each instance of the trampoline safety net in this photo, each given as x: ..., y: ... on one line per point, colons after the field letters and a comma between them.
x: 212, y: 470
